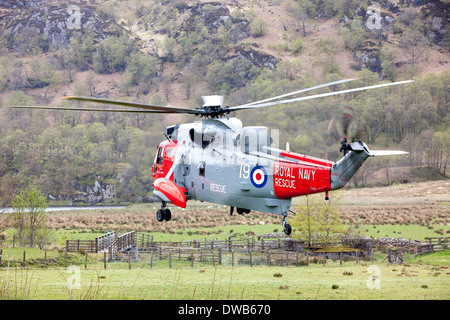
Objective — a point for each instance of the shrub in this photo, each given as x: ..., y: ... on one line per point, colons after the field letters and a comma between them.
x: 277, y: 275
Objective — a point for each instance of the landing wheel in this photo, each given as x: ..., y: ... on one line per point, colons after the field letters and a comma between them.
x: 287, y: 229
x: 242, y: 211
x: 160, y: 215
x: 167, y: 215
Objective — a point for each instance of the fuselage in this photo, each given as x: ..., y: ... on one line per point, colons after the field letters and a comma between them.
x: 225, y: 163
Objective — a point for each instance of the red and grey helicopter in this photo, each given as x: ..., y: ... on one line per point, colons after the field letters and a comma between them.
x: 218, y: 160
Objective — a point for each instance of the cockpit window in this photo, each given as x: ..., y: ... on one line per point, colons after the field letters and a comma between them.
x: 159, y: 156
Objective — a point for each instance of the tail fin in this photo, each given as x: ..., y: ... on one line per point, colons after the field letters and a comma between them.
x: 345, y: 168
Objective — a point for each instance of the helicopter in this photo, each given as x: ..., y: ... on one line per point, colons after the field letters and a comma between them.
x: 218, y: 160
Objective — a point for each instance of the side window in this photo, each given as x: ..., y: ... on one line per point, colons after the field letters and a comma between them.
x: 170, y: 153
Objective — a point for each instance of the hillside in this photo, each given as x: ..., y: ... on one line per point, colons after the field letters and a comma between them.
x: 173, y: 52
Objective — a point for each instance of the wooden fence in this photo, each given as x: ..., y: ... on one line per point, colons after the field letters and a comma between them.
x: 236, y: 244
x: 132, y: 247
x: 107, y: 242
x: 82, y: 246
x: 439, y: 243
x: 251, y: 251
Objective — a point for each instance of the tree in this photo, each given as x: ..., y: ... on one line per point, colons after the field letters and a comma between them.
x: 83, y: 51
x: 414, y: 44
x: 304, y: 10
x: 317, y: 220
x: 7, y: 188
x: 388, y: 63
x: 306, y: 221
x: 354, y: 34
x: 330, y: 219
x: 29, y: 213
x: 258, y: 28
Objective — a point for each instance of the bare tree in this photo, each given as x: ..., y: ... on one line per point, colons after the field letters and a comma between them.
x: 414, y: 44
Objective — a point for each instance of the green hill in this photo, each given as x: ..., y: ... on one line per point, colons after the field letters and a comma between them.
x: 173, y: 52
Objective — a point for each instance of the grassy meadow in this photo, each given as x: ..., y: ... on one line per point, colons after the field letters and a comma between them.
x: 411, y: 212
x: 420, y: 278
x: 427, y: 277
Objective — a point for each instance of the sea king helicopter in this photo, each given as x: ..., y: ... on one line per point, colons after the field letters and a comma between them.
x: 218, y: 160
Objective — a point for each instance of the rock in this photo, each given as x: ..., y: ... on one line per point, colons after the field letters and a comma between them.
x: 256, y: 58
x: 368, y: 58
x: 54, y: 23
x: 215, y: 15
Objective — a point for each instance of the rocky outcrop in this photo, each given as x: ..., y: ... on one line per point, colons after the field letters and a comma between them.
x: 436, y: 16
x: 54, y: 24
x: 98, y: 193
x: 256, y: 58
x: 214, y: 15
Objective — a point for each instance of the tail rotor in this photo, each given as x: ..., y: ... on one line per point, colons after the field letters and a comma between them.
x: 346, y: 130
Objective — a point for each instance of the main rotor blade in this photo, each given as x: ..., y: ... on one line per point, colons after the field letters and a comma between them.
x: 165, y: 109
x: 297, y: 92
x: 87, y: 109
x: 268, y: 104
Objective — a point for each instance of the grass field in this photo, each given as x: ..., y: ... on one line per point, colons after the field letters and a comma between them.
x: 376, y: 231
x: 428, y: 277
x: 409, y: 211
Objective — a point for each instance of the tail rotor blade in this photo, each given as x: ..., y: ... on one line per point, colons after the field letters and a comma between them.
x: 347, y: 118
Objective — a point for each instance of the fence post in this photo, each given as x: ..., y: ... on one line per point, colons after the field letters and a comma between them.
x: 151, y: 259
x: 220, y: 256
x: 104, y: 260
x: 24, y: 258
x: 85, y: 259
x: 232, y: 258
x: 65, y: 254
x: 129, y: 261
x: 170, y: 259
x: 251, y: 261
x: 340, y: 258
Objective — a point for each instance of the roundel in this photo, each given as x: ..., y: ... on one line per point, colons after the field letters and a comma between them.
x: 258, y: 176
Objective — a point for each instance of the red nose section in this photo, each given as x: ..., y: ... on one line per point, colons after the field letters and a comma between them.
x: 173, y: 192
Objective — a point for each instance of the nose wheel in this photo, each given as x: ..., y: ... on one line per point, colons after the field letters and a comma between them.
x: 163, y: 214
